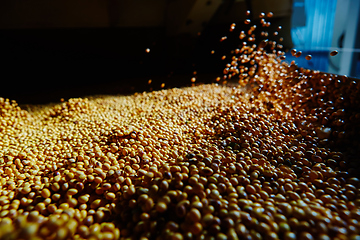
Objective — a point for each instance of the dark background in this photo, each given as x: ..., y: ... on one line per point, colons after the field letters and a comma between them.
x: 42, y: 65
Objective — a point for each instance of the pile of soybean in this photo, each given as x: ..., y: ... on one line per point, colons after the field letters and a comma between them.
x: 276, y: 160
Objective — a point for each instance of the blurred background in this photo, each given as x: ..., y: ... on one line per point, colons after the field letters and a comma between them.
x: 61, y: 49
x: 321, y: 26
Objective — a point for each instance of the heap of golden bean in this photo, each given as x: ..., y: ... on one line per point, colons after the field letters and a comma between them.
x: 278, y: 159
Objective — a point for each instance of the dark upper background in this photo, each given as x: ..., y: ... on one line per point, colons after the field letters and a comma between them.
x: 61, y: 49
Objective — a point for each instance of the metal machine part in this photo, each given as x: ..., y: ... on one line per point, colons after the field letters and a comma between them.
x: 346, y: 38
